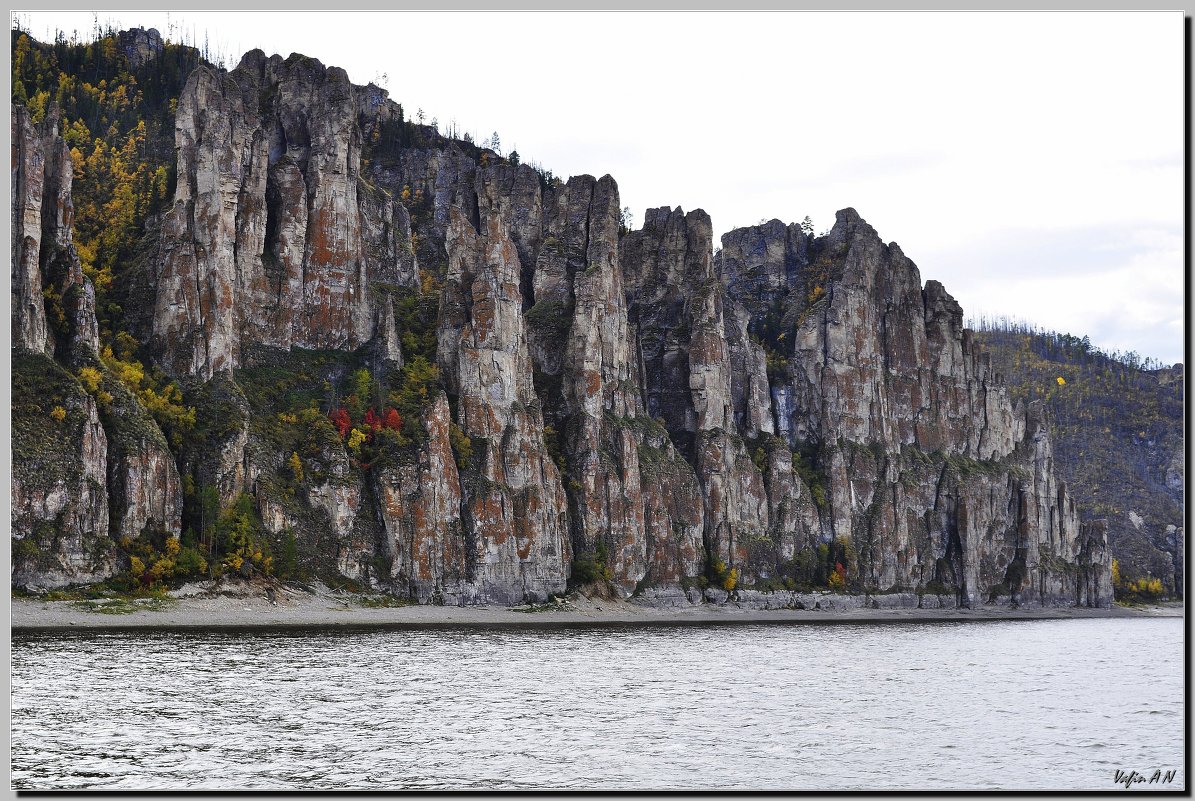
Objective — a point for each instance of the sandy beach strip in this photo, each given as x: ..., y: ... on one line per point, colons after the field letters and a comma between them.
x: 291, y: 609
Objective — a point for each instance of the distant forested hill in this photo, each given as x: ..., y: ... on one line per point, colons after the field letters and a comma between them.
x: 1117, y: 428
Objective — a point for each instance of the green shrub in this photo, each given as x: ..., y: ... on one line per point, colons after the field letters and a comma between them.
x: 591, y: 567
x: 287, y: 564
x: 550, y: 321
x: 585, y: 569
x: 718, y: 574
x: 241, y: 544
x: 190, y: 563
x: 462, y: 446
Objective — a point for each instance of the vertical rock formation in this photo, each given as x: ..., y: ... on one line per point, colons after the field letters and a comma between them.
x: 421, y: 514
x: 600, y: 391
x: 273, y: 240
x: 28, y: 190
x: 140, y: 45
x: 512, y: 500
x: 59, y: 493
x: 111, y: 473
x: 686, y: 367
x: 145, y: 492
x: 882, y: 382
x: 45, y: 266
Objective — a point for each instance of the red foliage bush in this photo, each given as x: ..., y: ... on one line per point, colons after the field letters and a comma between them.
x: 340, y: 419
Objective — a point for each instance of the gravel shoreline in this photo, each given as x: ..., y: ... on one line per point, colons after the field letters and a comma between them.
x: 250, y: 608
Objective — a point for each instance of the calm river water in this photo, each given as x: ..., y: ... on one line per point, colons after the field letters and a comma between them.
x: 1026, y: 704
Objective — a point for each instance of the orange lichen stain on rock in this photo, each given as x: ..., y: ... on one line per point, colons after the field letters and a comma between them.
x: 392, y: 503
x: 65, y: 212
x: 480, y: 418
x: 422, y: 524
x: 424, y: 541
x: 592, y: 381
x: 224, y: 299
x: 325, y: 248
x: 483, y: 312
x: 487, y: 517
x: 523, y: 548
x: 524, y: 528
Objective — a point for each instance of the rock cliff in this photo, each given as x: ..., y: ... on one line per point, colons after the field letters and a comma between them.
x: 272, y: 240
x: 442, y: 373
x: 97, y: 471
x: 931, y: 474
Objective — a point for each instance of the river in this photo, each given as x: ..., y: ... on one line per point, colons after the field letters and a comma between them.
x: 1045, y: 704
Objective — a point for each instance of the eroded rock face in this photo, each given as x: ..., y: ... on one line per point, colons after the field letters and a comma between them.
x: 59, y: 490
x: 226, y: 461
x: 140, y: 45
x: 677, y: 308
x: 601, y: 394
x: 513, y: 503
x: 931, y: 475
x: 116, y: 477
x: 673, y: 512
x: 28, y: 190
x: 273, y: 239
x: 685, y: 359
x: 145, y: 491
x: 150, y: 492
x: 421, y: 515
x: 45, y: 264
x: 749, y: 390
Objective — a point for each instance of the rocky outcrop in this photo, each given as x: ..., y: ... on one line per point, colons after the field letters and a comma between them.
x: 673, y: 511
x: 676, y: 306
x: 140, y: 45
x: 273, y: 239
x: 46, y: 273
x: 328, y: 517
x: 931, y: 475
x: 513, y: 503
x: 601, y: 395
x: 112, y: 474
x: 685, y: 367
x: 225, y: 461
x: 144, y: 488
x: 28, y: 190
x: 421, y: 516
x: 59, y: 490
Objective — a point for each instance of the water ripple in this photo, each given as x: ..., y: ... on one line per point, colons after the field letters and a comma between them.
x: 1014, y: 705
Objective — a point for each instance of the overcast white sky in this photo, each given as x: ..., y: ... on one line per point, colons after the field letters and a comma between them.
x: 1033, y: 163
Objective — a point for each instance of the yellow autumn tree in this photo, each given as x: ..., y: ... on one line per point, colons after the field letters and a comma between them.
x: 296, y: 467
x: 91, y: 378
